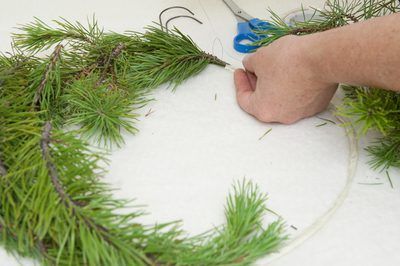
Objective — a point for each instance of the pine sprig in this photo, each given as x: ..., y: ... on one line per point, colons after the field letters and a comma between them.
x: 378, y: 110
x: 167, y: 57
x: 48, y: 88
x: 102, y: 112
x: 126, y: 65
x: 385, y: 151
x: 38, y: 36
x: 242, y: 239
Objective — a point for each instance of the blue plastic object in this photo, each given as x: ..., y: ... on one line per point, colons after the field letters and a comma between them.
x: 246, y: 35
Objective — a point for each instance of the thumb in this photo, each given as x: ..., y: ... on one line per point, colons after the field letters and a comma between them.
x: 249, y: 62
x: 244, y: 90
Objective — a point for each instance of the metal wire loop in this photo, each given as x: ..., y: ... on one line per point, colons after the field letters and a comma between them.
x: 169, y: 8
x: 181, y: 16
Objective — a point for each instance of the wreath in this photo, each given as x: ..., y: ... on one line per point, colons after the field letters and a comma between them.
x: 64, y: 85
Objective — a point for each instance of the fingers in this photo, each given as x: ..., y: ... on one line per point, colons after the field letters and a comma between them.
x: 244, y: 90
x: 248, y: 62
x: 252, y: 79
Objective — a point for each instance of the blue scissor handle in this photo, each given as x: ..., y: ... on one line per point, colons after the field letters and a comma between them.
x: 246, y: 34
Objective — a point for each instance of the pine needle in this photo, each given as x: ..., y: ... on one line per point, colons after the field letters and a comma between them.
x: 370, y: 184
x: 327, y: 120
x: 263, y: 135
x: 321, y: 125
x: 390, y: 180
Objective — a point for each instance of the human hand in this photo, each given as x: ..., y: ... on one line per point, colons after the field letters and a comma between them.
x: 282, y: 82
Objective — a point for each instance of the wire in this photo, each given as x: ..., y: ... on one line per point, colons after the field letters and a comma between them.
x: 181, y: 16
x: 320, y: 222
x: 169, y: 8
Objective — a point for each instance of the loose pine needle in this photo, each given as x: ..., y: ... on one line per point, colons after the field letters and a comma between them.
x: 370, y: 184
x: 321, y: 125
x: 390, y: 180
x: 149, y: 112
x: 263, y: 135
x: 327, y: 120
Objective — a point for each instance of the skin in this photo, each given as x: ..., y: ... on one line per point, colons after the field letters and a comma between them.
x: 296, y: 76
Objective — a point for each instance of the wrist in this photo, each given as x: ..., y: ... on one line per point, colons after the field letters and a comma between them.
x: 319, y: 58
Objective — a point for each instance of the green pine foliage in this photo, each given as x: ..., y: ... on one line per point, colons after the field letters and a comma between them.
x: 102, y: 112
x: 54, y: 206
x: 336, y: 13
x: 372, y: 109
x: 176, y: 54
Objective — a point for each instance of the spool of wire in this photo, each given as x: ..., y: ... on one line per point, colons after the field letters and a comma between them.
x: 300, y: 15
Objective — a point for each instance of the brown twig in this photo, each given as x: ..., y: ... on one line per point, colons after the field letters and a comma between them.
x: 305, y: 30
x: 149, y: 112
x: 3, y: 170
x: 114, y: 54
x: 215, y: 60
x: 352, y: 18
x: 45, y: 147
x: 55, y: 56
x: 53, y: 174
x: 66, y: 199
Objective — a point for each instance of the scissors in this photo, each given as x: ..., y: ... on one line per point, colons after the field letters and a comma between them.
x: 243, y: 41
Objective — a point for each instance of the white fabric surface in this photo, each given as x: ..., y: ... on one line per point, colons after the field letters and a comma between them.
x: 192, y: 147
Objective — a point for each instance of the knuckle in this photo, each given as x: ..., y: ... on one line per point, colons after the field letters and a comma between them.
x: 263, y: 116
x: 288, y: 120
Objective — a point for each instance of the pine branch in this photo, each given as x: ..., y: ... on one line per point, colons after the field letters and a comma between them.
x: 241, y: 240
x: 39, y: 36
x: 65, y: 198
x: 75, y: 206
x: 44, y: 145
x: 56, y: 206
x: 167, y: 57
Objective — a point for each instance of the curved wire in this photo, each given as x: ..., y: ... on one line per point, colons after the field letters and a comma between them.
x: 181, y: 16
x: 169, y: 8
x: 327, y: 216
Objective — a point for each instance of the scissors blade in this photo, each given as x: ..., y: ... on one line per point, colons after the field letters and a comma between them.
x: 237, y: 11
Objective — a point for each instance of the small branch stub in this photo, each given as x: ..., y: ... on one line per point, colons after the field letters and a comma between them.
x: 3, y: 170
x: 114, y: 54
x: 55, y: 56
